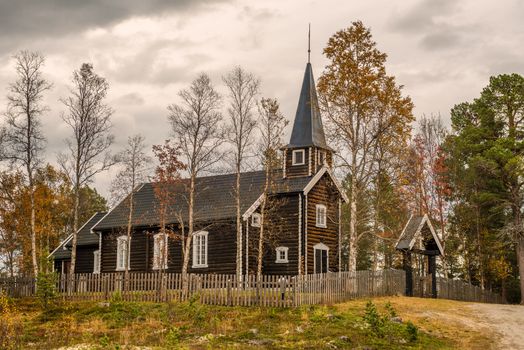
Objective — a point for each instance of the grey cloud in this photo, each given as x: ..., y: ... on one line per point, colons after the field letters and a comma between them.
x: 251, y: 13
x: 506, y: 65
x: 144, y: 66
x: 131, y: 99
x: 429, y: 21
x: 422, y: 15
x: 426, y: 76
x: 441, y: 39
x: 26, y: 20
x: 52, y: 17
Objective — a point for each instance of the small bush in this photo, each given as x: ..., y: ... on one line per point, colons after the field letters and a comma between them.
x: 412, y: 331
x: 46, y: 291
x: 6, y: 304
x: 373, y: 318
x: 173, y: 336
x: 104, y: 341
x: 391, y: 310
x: 10, y: 324
x: 116, y: 297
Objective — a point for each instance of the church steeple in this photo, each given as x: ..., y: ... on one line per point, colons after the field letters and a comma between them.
x: 307, y: 151
x: 307, y: 127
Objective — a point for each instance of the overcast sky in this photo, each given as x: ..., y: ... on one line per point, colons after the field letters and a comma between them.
x: 442, y: 51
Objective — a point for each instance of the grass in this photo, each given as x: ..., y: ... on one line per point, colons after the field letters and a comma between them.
x: 426, y: 324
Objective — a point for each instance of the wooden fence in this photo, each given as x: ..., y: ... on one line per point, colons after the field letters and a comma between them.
x: 212, y: 289
x: 453, y: 289
x: 460, y: 290
x: 271, y: 290
x: 17, y: 287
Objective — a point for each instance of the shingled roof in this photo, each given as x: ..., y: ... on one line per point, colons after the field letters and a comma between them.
x: 214, y: 199
x: 307, y: 127
x: 414, y: 229
x: 84, y: 237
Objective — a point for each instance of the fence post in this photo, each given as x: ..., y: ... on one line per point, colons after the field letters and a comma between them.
x: 283, y: 288
x: 164, y: 287
x: 229, y: 301
x: 106, y: 287
x: 294, y: 290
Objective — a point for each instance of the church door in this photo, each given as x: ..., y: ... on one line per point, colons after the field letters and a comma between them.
x: 321, y: 258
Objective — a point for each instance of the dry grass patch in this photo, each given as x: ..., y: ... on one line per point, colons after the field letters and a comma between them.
x: 445, y: 319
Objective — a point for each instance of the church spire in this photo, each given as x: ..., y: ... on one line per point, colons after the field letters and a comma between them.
x: 309, y: 44
x: 307, y: 127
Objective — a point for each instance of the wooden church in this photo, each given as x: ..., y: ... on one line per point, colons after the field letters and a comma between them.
x: 305, y: 207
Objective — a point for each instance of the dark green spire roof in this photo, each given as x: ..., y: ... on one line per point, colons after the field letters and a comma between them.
x: 307, y: 128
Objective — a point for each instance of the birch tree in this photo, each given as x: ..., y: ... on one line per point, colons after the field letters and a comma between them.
x: 134, y: 162
x: 361, y: 103
x: 271, y: 125
x: 196, y: 131
x: 243, y: 88
x: 89, y: 119
x: 23, y: 138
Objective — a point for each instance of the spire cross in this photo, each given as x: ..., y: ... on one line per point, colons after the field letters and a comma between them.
x: 309, y: 44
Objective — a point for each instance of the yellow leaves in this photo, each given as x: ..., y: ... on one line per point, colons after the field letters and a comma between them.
x: 500, y: 267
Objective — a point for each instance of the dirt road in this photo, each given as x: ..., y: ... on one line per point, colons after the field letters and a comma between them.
x: 506, y: 320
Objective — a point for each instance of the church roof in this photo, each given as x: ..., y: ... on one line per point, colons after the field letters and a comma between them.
x: 85, y: 237
x: 214, y: 199
x: 307, y: 127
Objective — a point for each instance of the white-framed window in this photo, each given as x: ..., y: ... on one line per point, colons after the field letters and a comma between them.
x: 96, y: 261
x: 321, y: 215
x: 281, y: 255
x: 299, y: 157
x: 200, y: 249
x: 159, y: 251
x: 256, y: 219
x: 122, y: 253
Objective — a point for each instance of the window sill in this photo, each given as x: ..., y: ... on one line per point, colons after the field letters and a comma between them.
x: 293, y: 164
x: 281, y: 261
x: 253, y: 225
x: 122, y: 269
x: 156, y: 268
x: 199, y: 266
x: 321, y: 226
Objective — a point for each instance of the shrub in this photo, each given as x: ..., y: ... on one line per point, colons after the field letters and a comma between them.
x: 391, y: 310
x: 10, y: 324
x: 116, y: 297
x: 173, y: 336
x: 46, y: 292
x: 412, y: 331
x: 374, y: 319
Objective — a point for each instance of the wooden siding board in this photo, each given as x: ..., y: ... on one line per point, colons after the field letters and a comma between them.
x: 287, y: 236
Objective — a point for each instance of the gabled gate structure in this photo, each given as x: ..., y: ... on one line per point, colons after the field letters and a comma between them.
x: 420, y: 239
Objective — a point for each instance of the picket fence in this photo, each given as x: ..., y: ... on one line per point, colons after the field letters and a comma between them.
x: 270, y: 290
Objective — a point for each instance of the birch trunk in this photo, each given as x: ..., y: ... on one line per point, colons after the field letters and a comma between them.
x: 76, y: 209
x: 187, y: 244
x: 353, y: 236
x: 33, y: 229
x: 520, y: 255
x: 239, y: 226
x: 129, y: 228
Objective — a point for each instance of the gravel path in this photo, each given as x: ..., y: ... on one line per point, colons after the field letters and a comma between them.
x: 507, y: 320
